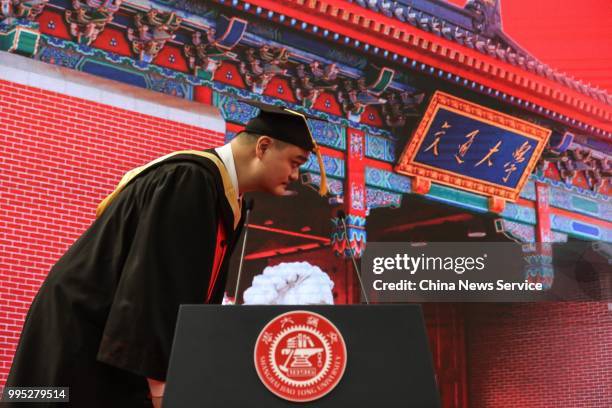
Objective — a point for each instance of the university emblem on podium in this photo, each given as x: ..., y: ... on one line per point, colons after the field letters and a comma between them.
x: 300, y: 356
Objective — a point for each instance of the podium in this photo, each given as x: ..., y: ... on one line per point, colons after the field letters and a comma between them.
x: 287, y: 356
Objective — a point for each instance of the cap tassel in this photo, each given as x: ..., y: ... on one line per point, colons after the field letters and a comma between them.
x: 323, y: 185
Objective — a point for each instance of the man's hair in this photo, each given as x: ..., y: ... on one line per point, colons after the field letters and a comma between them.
x: 251, y: 138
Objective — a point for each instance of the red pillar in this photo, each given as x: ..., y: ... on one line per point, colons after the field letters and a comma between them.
x: 355, y: 207
x: 355, y: 191
x: 543, y: 233
x: 539, y: 255
x: 202, y: 94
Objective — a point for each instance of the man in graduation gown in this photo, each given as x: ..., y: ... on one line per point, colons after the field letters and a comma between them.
x: 103, y: 321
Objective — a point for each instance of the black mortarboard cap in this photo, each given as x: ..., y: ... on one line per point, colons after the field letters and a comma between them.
x: 281, y: 123
x: 289, y: 126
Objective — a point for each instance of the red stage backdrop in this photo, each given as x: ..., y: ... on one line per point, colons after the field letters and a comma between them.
x: 60, y: 155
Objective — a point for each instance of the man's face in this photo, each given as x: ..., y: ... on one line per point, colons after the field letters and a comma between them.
x: 279, y: 165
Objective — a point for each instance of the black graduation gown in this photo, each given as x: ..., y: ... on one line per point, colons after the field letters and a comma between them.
x: 103, y: 320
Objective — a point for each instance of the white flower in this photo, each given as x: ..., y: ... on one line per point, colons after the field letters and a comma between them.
x: 290, y: 283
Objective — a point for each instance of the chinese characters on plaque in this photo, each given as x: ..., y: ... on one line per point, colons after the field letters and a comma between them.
x: 469, y: 146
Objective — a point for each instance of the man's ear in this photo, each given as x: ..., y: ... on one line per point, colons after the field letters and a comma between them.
x: 264, y: 143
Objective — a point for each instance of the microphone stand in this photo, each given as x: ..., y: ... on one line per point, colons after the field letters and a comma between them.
x: 249, y: 207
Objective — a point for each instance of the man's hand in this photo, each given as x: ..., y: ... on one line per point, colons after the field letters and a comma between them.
x: 157, y: 391
x: 157, y: 402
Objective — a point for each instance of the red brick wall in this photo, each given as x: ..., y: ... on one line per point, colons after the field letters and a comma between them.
x: 59, y: 156
x: 539, y: 355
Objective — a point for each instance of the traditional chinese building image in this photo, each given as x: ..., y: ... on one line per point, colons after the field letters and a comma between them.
x: 436, y: 125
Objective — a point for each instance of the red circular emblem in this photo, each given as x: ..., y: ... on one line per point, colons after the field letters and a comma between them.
x: 300, y: 356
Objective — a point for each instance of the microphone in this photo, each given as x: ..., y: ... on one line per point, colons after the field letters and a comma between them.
x: 248, y: 208
x: 342, y: 216
x: 250, y: 204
